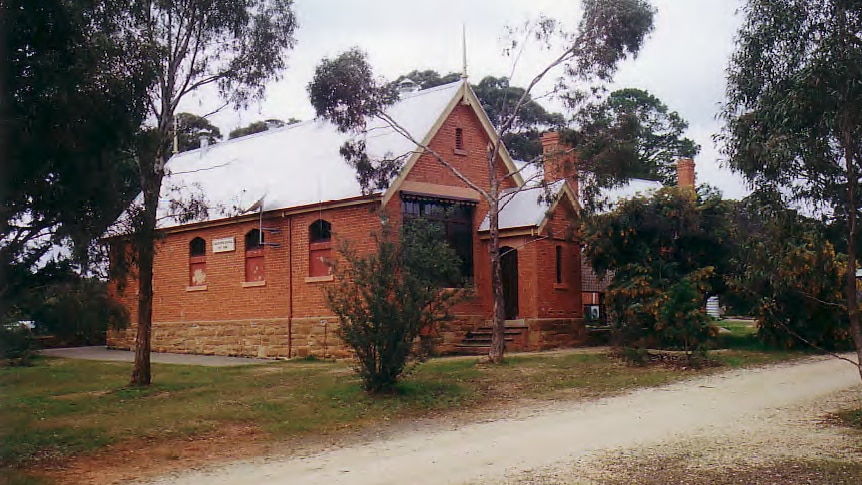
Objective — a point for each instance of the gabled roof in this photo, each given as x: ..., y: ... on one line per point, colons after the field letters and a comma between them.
x: 298, y: 164
x: 468, y: 97
x: 529, y: 207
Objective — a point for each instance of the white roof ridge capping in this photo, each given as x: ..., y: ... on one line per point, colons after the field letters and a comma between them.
x: 300, y: 164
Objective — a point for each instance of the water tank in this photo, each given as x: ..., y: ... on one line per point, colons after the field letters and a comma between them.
x: 713, y: 308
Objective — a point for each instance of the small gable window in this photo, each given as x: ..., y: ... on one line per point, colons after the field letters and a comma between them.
x: 459, y: 142
x: 197, y: 262
x: 319, y: 248
x: 559, y: 260
x: 255, y: 269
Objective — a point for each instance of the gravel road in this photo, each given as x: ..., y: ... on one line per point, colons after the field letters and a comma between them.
x: 546, y: 441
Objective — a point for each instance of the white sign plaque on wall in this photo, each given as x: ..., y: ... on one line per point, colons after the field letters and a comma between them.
x: 223, y: 245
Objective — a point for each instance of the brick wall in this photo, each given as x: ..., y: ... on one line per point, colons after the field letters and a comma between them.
x: 471, y: 161
x: 559, y: 300
x: 225, y: 315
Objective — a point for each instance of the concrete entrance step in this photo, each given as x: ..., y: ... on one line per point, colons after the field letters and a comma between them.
x: 478, y: 341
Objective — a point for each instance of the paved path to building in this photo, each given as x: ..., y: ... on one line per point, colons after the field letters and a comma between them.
x: 103, y: 353
x: 547, y: 441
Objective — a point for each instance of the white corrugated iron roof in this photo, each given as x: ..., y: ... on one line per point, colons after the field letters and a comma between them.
x: 524, y: 208
x: 528, y: 208
x: 295, y: 165
x: 632, y: 188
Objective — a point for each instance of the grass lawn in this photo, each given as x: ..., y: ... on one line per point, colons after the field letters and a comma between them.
x: 743, y: 335
x: 59, y: 408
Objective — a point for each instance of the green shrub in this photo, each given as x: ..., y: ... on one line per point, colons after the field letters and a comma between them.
x: 17, y: 345
x: 792, y: 275
x: 385, y: 299
x: 673, y: 318
x: 78, y: 311
x: 664, y: 252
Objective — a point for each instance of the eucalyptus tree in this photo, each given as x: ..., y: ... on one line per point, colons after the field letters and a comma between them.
x: 260, y: 126
x: 191, y: 128
x: 345, y: 91
x: 794, y: 113
x: 71, y: 102
x: 234, y: 48
x: 633, y: 133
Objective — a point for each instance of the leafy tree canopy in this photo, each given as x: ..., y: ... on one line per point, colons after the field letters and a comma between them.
x: 345, y: 91
x: 633, y: 134
x: 666, y: 252
x: 190, y: 129
x: 260, y: 126
x: 426, y: 79
x: 71, y: 107
x: 784, y: 265
x: 794, y: 113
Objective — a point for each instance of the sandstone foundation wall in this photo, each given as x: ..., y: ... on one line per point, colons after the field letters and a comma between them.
x: 276, y: 338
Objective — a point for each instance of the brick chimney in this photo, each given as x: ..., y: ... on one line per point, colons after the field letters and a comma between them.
x: 685, y: 172
x: 557, y: 163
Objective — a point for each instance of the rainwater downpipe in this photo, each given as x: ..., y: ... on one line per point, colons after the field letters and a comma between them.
x: 289, y: 287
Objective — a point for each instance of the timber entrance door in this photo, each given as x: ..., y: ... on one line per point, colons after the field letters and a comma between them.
x: 509, y: 267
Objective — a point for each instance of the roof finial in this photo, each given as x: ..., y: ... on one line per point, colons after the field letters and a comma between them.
x: 464, y: 51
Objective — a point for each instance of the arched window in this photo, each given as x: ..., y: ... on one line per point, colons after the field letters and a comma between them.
x: 255, y: 270
x: 319, y: 248
x: 197, y: 262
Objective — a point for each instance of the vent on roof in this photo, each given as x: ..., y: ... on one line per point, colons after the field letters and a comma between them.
x: 272, y: 124
x: 205, y: 143
x: 407, y: 86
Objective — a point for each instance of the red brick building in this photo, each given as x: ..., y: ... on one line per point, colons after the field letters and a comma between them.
x: 251, y: 282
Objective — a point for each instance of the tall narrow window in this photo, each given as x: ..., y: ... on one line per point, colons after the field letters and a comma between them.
x: 197, y: 262
x: 559, y: 265
x: 459, y: 138
x: 319, y: 248
x: 255, y: 269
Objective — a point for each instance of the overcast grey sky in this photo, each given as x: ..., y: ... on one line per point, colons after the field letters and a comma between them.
x: 682, y: 62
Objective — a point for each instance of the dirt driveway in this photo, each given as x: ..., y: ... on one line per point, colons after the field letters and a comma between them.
x: 550, y: 444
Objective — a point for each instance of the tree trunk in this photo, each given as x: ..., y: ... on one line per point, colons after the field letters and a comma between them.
x: 141, y: 373
x: 852, y: 300
x: 498, y: 334
x: 151, y: 182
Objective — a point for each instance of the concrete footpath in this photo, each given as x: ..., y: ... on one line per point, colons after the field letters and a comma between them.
x: 103, y: 353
